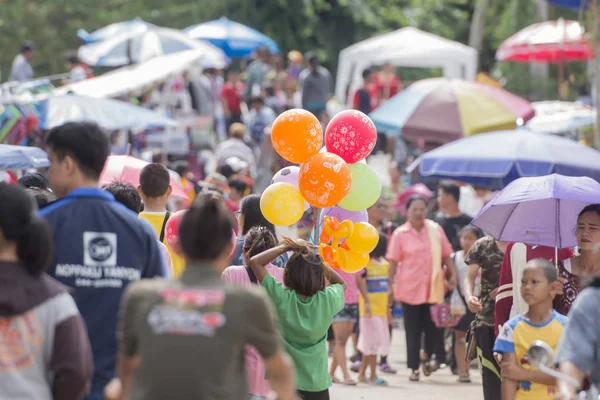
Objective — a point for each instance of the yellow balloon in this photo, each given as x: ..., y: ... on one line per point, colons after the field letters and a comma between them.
x: 355, y: 261
x: 364, y: 238
x: 282, y: 204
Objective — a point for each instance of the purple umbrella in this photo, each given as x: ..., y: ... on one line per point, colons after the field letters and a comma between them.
x: 539, y: 210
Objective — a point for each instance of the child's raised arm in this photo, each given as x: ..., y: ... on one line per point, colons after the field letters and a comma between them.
x: 333, y: 277
x: 260, y: 261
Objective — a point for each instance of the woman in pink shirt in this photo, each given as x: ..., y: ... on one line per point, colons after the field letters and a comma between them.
x: 343, y: 327
x: 258, y: 239
x: 416, y: 253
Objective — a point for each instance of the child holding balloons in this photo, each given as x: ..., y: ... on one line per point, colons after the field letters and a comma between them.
x: 305, y: 308
x: 374, y: 336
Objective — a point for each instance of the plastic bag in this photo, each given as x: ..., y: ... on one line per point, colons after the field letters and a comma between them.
x: 457, y: 304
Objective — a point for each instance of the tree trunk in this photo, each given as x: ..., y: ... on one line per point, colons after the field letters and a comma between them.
x: 477, y: 24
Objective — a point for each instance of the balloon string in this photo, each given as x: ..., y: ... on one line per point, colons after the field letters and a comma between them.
x: 308, y: 232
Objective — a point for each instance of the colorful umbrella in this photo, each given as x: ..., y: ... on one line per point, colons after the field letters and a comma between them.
x: 235, y: 39
x: 17, y: 157
x: 540, y: 210
x: 506, y: 156
x: 443, y: 110
x: 552, y: 42
x: 136, y: 47
x: 136, y: 25
x: 127, y: 169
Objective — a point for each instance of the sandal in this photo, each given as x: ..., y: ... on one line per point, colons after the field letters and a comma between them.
x: 334, y: 379
x: 363, y: 379
x: 349, y: 382
x: 379, y: 382
x: 415, y: 376
x: 387, y: 368
x: 429, y: 367
x: 464, y: 379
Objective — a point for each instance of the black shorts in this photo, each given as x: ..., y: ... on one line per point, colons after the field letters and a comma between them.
x: 465, y: 322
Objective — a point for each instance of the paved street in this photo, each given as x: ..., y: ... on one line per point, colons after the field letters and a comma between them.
x: 441, y: 385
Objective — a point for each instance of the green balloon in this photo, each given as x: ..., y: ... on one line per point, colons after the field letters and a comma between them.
x: 365, y: 190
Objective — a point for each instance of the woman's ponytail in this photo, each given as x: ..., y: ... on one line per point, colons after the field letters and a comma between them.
x: 34, y: 246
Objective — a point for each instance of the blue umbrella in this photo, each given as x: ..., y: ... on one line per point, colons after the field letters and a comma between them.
x: 107, y: 113
x: 508, y: 155
x: 541, y: 210
x: 577, y: 4
x: 17, y: 157
x: 235, y: 39
x: 136, y: 25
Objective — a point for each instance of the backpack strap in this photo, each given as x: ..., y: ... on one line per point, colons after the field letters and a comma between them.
x: 162, y: 230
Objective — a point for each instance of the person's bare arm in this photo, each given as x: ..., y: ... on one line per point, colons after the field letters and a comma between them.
x: 565, y: 389
x: 512, y: 371
x: 392, y: 276
x: 361, y: 283
x: 509, y: 386
x: 473, y: 302
x: 280, y: 371
x: 120, y: 388
x: 259, y: 262
x: 225, y: 105
x: 450, y: 271
x: 333, y: 277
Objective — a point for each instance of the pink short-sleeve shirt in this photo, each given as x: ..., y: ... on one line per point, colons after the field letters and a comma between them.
x: 412, y: 251
x: 255, y: 367
x: 351, y: 293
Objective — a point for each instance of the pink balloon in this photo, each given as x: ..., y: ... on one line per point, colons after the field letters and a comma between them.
x: 342, y: 214
x: 172, y: 228
x: 351, y: 135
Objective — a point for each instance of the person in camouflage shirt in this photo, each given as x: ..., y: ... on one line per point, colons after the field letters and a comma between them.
x: 487, y: 253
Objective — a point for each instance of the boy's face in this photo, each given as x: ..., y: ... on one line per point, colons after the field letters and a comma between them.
x: 535, y: 288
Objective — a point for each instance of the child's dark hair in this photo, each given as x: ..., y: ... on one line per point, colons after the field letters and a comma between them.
x: 592, y: 208
x: 126, y: 194
x: 42, y: 197
x: 258, y: 240
x: 304, y: 271
x: 154, y: 180
x: 546, y: 266
x: 472, y: 229
x: 20, y: 223
x: 381, y: 248
x: 205, y: 230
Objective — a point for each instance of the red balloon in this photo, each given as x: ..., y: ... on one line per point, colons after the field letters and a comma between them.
x: 351, y: 135
x: 172, y: 228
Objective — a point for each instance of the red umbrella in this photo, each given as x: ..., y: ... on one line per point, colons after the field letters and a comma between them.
x: 127, y: 169
x: 551, y: 42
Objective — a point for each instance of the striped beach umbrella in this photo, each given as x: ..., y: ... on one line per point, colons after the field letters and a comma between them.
x: 442, y: 110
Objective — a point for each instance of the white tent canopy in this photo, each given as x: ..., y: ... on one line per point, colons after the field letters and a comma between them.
x: 406, y: 47
x: 135, y: 77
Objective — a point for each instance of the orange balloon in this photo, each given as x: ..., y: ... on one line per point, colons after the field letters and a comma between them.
x: 297, y: 135
x: 324, y: 180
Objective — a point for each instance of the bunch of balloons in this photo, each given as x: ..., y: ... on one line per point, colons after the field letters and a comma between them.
x: 334, y: 175
x: 351, y: 255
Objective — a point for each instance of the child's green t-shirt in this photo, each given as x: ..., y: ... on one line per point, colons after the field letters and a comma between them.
x: 303, y: 325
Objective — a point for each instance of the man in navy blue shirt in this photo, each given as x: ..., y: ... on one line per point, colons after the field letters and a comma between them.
x: 100, y: 245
